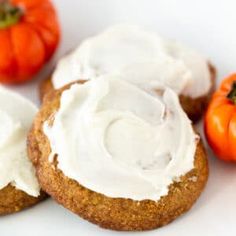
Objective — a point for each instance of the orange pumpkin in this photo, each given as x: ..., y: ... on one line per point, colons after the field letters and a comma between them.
x: 220, y: 120
x: 29, y: 35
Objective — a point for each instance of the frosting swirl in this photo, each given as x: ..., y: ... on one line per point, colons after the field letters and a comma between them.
x: 138, y: 56
x: 16, y: 116
x: 119, y: 140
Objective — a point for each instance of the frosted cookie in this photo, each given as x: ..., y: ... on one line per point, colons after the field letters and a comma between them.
x: 143, y: 58
x: 117, y: 155
x: 19, y: 187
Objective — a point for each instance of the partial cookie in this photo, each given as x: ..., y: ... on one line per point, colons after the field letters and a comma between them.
x: 107, y: 212
x: 194, y: 107
x: 19, y: 187
x: 14, y: 200
x: 143, y: 58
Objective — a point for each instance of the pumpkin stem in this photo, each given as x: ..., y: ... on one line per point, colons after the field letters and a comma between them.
x: 9, y: 14
x: 232, y: 93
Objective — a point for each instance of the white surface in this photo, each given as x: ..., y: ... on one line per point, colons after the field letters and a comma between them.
x: 206, y: 25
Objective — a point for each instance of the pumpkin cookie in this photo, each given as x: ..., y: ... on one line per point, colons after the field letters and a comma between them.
x: 14, y: 200
x: 117, y: 155
x: 19, y: 187
x: 143, y: 58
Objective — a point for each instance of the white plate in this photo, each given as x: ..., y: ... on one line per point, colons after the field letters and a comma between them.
x: 206, y: 25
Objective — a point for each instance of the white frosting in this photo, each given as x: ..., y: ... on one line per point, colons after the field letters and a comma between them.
x: 16, y: 116
x: 139, y: 56
x: 119, y: 140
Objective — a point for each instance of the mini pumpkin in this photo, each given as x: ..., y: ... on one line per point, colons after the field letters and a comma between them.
x: 29, y: 35
x: 220, y: 120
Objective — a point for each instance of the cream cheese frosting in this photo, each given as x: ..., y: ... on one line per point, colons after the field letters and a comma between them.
x: 16, y: 116
x: 119, y: 140
x: 139, y: 56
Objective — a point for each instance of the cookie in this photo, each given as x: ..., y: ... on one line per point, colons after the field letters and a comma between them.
x: 194, y: 107
x: 19, y: 187
x: 108, y: 212
x: 13, y: 200
x: 142, y: 58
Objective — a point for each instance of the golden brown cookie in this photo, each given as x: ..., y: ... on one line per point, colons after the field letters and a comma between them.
x: 112, y: 213
x: 194, y: 107
x: 14, y: 200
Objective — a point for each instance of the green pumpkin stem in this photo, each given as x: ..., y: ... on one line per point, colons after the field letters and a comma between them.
x: 9, y: 14
x: 232, y: 94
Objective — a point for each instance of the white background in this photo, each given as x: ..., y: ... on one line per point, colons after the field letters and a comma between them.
x: 207, y: 25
